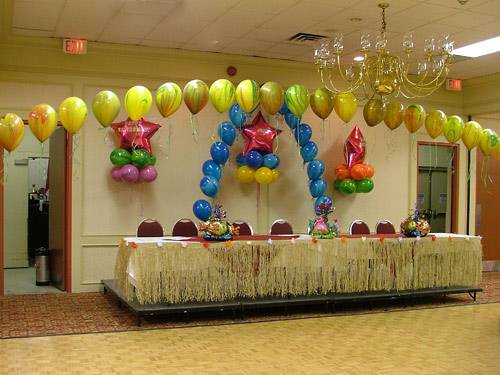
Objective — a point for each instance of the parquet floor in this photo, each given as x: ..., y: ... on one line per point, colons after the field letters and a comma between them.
x: 451, y: 340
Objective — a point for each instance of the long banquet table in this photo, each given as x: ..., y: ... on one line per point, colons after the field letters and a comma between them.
x: 177, y: 270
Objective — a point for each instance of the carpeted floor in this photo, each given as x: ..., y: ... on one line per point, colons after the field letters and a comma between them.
x: 59, y: 314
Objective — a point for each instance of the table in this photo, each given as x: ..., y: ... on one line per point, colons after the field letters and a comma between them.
x: 179, y: 270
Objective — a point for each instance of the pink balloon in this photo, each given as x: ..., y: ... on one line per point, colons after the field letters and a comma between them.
x: 116, y: 174
x: 129, y: 173
x: 148, y: 174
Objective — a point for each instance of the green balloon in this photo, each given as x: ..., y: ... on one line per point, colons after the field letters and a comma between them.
x: 347, y: 186
x: 364, y: 186
x: 152, y: 160
x: 140, y: 158
x: 336, y: 185
x: 120, y: 157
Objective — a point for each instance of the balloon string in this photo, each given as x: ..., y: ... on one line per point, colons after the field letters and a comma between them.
x: 194, y: 127
x: 276, y: 124
x: 141, y: 201
x: 75, y: 156
x: 6, y: 166
x: 323, y: 132
x: 258, y: 201
x: 297, y: 130
x: 484, y: 172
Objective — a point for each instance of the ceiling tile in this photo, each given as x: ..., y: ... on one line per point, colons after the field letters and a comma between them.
x: 455, y: 4
x: 272, y: 34
x: 250, y: 45
x: 161, y: 43
x: 129, y: 26
x: 467, y: 19
x: 30, y: 32
x: 192, y: 11
x: 265, y: 6
x: 465, y: 37
x: 36, y: 14
x: 149, y: 7
x: 486, y: 7
x: 175, y: 29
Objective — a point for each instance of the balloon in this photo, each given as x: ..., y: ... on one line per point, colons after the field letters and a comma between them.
x: 345, y: 105
x: 354, y: 148
x: 291, y: 120
x: 152, y: 160
x: 302, y: 134
x: 323, y: 200
x: 276, y: 175
x: 264, y: 176
x: 105, y: 107
x: 247, y: 95
x: 435, y: 122
x: 488, y: 142
x: 472, y: 134
x: 222, y: 95
x: 271, y: 161
x: 241, y: 159
x: 135, y: 134
x: 139, y: 157
x: 309, y: 151
x: 393, y: 115
x: 212, y: 169
x: 11, y: 131
x: 271, y: 97
x: 322, y: 102
x: 364, y: 186
x: 358, y: 171
x: 374, y: 112
x: 120, y: 157
x: 219, y: 152
x: 414, y: 117
x: 116, y: 174
x: 129, y: 173
x: 245, y: 174
x: 315, y: 169
x: 138, y: 102
x: 42, y: 121
x: 284, y: 109
x: 254, y: 159
x: 237, y: 116
x: 148, y: 174
x: 369, y: 170
x: 72, y: 113
x: 297, y: 99
x: 342, y: 172
x: 317, y: 187
x: 195, y: 95
x: 227, y: 132
x: 453, y: 128
x: 168, y: 98
x: 347, y: 186
x: 336, y: 185
x: 259, y: 135
x: 202, y: 209
x: 209, y: 186
x: 496, y: 150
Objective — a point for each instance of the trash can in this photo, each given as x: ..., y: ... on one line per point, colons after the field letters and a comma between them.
x: 42, y: 266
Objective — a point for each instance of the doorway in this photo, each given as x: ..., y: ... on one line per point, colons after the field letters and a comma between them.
x: 437, y: 185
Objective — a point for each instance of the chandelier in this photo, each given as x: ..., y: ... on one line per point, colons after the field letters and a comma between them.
x: 381, y: 73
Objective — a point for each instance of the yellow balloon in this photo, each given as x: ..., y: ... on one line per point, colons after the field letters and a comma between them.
x: 11, y: 131
x: 105, y: 107
x: 42, y: 121
x: 454, y: 128
x: 168, y: 98
x: 271, y: 97
x: 264, y: 175
x: 222, y: 95
x: 245, y: 174
x: 488, y: 142
x: 393, y: 115
x: 276, y: 175
x: 138, y: 100
x: 345, y: 105
x: 435, y: 122
x: 472, y: 134
x: 496, y: 151
x: 72, y: 113
x: 195, y: 95
x: 248, y: 95
x: 414, y: 117
x: 321, y: 102
x: 374, y: 112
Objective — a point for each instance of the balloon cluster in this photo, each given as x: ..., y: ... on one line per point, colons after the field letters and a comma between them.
x: 354, y: 176
x: 415, y: 225
x: 215, y: 228
x: 320, y: 227
x: 133, y: 166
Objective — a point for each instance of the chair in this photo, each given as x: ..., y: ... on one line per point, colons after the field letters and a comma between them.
x: 280, y: 227
x: 244, y: 229
x: 359, y: 227
x: 384, y: 227
x: 185, y: 228
x: 149, y: 228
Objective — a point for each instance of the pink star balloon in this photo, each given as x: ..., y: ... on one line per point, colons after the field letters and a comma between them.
x: 135, y: 134
x: 354, y: 148
x: 259, y: 136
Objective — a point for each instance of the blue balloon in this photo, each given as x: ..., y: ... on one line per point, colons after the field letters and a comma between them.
x: 284, y: 109
x: 317, y: 187
x: 302, y: 134
x: 323, y: 199
x: 209, y: 186
x: 309, y: 151
x: 202, y: 209
x: 219, y: 152
x: 237, y: 115
x: 227, y: 132
x: 271, y: 161
x: 241, y: 160
x: 254, y: 159
x: 212, y: 169
x: 315, y: 169
x: 292, y: 120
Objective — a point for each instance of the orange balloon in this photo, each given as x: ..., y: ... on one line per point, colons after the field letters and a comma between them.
x: 342, y: 172
x: 358, y: 171
x: 369, y: 170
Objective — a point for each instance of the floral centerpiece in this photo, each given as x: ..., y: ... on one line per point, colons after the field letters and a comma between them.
x: 215, y: 228
x: 415, y: 225
x: 320, y: 227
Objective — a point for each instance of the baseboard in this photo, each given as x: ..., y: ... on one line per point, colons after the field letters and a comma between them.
x: 491, y: 265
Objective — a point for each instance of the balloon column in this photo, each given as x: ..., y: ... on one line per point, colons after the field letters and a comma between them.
x: 354, y: 176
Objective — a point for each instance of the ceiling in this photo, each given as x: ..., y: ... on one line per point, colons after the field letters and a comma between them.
x: 261, y: 27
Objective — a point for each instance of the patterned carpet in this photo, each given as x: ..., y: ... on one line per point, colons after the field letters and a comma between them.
x: 60, y: 314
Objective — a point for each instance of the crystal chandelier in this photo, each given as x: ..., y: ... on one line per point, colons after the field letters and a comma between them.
x: 380, y: 72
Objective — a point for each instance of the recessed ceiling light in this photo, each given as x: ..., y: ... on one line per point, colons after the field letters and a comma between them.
x: 482, y: 48
x: 356, y: 19
x: 358, y: 58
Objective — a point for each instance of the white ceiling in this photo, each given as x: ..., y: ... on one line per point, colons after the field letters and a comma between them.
x: 261, y: 27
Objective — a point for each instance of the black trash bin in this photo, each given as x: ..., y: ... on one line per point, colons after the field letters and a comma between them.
x: 42, y: 266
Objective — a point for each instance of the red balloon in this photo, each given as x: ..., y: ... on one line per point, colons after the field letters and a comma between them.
x: 135, y: 134
x: 358, y: 171
x: 259, y: 136
x: 354, y: 148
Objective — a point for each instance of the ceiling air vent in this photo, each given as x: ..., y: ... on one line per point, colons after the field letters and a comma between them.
x: 305, y: 37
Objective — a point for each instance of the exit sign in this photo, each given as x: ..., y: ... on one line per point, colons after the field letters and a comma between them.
x: 75, y: 46
x: 454, y: 84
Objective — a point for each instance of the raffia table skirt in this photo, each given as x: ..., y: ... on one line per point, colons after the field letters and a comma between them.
x: 175, y: 272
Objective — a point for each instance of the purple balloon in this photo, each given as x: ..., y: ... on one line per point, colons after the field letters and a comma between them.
x: 129, y: 173
x: 116, y: 174
x: 148, y: 174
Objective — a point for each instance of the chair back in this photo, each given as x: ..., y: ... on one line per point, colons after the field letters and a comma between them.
x: 149, y: 228
x: 359, y: 227
x: 385, y: 227
x: 185, y: 228
x: 244, y: 229
x: 281, y: 226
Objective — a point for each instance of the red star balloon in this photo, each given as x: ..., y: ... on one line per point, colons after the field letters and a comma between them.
x: 259, y: 136
x: 354, y: 148
x: 135, y: 134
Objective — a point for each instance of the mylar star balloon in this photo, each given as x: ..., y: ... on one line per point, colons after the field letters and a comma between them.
x: 259, y: 136
x: 135, y: 134
x: 354, y: 148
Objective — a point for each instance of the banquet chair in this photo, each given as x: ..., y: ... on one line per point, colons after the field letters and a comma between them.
x: 359, y: 227
x: 185, y: 228
x: 384, y: 227
x: 244, y: 229
x: 281, y: 226
x: 149, y: 228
